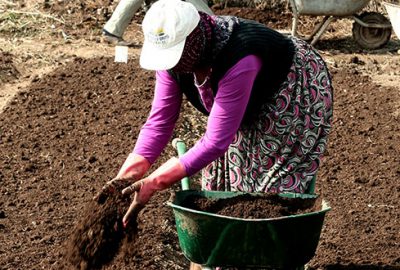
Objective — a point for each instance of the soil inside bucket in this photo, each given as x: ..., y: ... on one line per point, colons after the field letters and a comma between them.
x: 253, y: 207
x: 100, y: 234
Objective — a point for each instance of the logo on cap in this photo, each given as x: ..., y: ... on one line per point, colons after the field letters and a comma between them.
x: 158, y: 37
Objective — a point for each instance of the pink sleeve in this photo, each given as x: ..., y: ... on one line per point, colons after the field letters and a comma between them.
x: 156, y: 132
x: 227, y: 112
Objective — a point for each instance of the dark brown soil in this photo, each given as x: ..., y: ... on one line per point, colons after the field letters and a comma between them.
x: 87, y: 16
x: 91, y: 15
x: 360, y: 177
x: 97, y: 238
x: 253, y: 207
x: 73, y: 131
x: 67, y: 134
x: 8, y: 70
x: 280, y: 19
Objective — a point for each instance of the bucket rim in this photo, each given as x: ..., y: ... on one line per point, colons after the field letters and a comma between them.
x: 324, y: 208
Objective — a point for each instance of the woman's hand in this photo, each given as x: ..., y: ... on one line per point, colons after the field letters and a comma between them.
x: 133, y: 169
x: 135, y: 166
x: 165, y: 176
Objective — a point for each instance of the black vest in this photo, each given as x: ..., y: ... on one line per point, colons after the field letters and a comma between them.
x: 248, y: 37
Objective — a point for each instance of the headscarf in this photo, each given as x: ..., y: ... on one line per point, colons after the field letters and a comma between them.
x: 197, y: 45
x: 205, y: 42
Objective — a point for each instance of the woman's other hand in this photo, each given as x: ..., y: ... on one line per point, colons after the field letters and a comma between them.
x: 165, y: 176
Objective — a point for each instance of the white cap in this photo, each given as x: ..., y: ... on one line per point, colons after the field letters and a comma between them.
x: 165, y: 27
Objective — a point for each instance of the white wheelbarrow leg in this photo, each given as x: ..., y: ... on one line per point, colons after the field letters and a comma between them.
x: 295, y: 18
x: 320, y: 29
x: 294, y: 25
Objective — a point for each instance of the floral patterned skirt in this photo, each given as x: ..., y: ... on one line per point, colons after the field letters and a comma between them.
x: 281, y: 150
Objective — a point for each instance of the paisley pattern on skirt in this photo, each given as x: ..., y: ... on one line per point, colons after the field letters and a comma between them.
x: 281, y: 150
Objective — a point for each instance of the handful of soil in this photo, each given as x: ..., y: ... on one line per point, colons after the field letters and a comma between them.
x: 269, y: 205
x: 98, y: 237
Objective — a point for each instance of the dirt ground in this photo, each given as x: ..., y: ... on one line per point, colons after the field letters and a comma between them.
x: 70, y: 115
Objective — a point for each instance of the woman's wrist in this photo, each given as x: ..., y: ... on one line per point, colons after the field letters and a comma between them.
x: 135, y: 166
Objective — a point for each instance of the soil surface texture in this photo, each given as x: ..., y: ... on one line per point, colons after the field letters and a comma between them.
x: 253, y: 207
x: 8, y: 71
x: 70, y: 116
x: 98, y: 237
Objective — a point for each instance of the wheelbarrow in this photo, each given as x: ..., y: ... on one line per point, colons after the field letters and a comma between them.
x: 371, y: 30
x: 393, y: 11
x: 213, y: 240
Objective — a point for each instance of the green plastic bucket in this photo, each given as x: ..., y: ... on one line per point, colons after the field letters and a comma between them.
x: 215, y: 240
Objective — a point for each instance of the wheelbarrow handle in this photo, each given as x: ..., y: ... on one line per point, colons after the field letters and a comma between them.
x: 180, y: 147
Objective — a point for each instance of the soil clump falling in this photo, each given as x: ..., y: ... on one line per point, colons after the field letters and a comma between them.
x: 100, y: 233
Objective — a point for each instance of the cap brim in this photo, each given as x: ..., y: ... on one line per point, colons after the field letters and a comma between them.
x: 153, y: 58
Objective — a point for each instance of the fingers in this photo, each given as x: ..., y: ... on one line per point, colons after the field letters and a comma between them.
x: 111, y: 187
x: 135, y: 187
x: 136, y: 204
x: 119, y: 182
x: 106, y: 190
x: 132, y: 213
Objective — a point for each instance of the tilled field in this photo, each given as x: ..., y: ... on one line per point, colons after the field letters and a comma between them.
x: 69, y: 131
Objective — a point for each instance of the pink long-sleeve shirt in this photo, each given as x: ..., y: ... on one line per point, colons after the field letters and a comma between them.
x: 226, y: 114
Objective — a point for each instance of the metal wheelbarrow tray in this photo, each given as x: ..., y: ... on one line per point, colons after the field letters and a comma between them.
x: 214, y: 240
x: 371, y: 30
x: 393, y: 11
